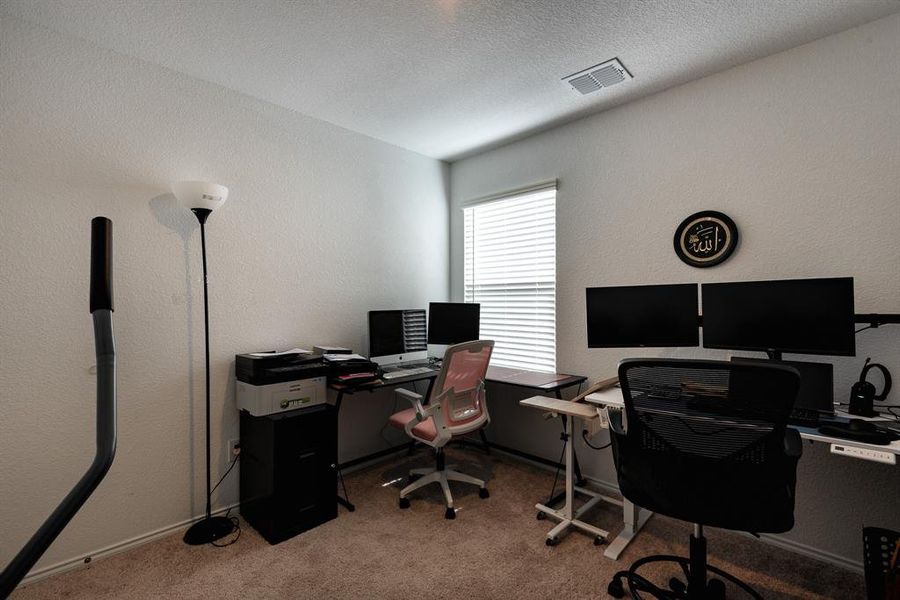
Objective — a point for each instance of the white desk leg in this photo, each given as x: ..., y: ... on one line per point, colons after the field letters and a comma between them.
x: 564, y: 514
x: 634, y: 519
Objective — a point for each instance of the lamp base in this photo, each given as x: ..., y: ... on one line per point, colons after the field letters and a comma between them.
x: 208, y: 530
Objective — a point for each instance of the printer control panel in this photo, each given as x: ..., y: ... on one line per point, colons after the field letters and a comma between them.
x: 294, y: 402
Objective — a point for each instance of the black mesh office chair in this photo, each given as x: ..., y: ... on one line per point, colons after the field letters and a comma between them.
x: 705, y: 442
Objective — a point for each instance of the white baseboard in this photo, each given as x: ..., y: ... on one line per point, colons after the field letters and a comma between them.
x: 144, y: 538
x: 775, y: 540
x: 812, y: 552
x: 74, y: 563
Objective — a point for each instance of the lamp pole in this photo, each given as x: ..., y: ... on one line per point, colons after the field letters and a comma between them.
x: 202, y: 198
x: 201, y: 216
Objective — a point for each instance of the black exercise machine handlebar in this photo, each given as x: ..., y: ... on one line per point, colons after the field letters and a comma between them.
x: 101, y: 264
x: 101, y: 305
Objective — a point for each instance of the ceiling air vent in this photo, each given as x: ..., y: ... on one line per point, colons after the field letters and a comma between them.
x: 598, y: 77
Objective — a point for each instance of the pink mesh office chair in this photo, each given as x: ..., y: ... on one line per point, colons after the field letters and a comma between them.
x: 456, y: 407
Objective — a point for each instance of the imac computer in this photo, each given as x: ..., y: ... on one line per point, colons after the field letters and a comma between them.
x: 642, y: 316
x: 397, y: 336
x: 802, y: 316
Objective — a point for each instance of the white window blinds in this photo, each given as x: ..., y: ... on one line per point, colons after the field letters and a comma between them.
x: 510, y: 269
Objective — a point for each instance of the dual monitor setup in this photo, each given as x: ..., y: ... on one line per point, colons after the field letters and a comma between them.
x: 802, y: 316
x: 403, y: 336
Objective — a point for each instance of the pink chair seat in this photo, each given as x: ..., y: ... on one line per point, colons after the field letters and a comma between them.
x: 424, y: 430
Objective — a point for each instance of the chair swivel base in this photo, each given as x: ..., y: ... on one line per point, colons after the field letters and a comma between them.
x: 419, y: 478
x: 695, y: 568
x: 208, y: 530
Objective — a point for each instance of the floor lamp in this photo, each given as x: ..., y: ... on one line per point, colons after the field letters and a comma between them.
x: 202, y: 198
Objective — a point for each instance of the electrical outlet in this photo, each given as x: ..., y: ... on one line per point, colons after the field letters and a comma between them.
x: 232, y: 449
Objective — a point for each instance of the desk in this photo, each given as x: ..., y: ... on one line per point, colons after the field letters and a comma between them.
x: 547, y: 383
x: 372, y: 386
x: 552, y: 383
x: 635, y: 517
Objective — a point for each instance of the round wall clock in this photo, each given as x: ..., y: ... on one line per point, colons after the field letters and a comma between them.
x: 706, y: 239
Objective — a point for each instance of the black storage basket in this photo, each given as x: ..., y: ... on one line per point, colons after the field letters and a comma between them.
x: 878, y: 548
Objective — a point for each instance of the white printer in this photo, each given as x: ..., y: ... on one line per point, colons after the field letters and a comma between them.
x: 270, y: 383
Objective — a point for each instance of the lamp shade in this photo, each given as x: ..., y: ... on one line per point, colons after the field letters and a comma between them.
x: 203, y: 195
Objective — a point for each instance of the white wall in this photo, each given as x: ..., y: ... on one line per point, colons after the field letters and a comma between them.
x: 322, y: 225
x: 802, y: 149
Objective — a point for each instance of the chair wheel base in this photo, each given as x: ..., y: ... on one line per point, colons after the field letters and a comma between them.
x: 484, y: 493
x: 450, y: 513
x: 714, y: 589
x: 404, y: 503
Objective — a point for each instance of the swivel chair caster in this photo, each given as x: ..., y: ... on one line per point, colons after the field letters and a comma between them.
x: 599, y: 541
x: 450, y: 513
x: 483, y: 493
x: 615, y: 588
x: 552, y: 541
x: 541, y: 515
x: 404, y: 503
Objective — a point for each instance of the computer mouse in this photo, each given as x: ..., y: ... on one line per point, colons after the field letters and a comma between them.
x: 859, y: 425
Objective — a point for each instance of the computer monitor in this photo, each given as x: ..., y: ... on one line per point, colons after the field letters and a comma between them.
x: 803, y: 316
x: 397, y: 336
x: 453, y: 322
x: 816, y: 382
x: 642, y: 315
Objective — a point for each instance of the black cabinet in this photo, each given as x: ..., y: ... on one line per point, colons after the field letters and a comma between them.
x: 288, y: 471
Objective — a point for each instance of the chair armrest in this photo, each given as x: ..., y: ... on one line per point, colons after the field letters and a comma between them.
x: 413, y: 398
x: 422, y: 412
x: 793, y: 444
x: 616, y: 421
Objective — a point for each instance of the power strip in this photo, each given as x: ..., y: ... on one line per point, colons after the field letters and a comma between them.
x: 887, y: 458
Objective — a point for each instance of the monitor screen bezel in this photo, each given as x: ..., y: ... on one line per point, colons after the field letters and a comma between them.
x: 475, y: 307
x: 376, y: 313
x: 851, y: 324
x: 695, y: 340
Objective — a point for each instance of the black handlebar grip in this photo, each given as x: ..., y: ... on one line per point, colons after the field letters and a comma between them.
x: 101, y: 264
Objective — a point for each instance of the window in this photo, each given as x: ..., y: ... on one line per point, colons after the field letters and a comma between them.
x: 510, y: 269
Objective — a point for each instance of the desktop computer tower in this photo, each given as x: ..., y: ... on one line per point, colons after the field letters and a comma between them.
x: 289, y: 471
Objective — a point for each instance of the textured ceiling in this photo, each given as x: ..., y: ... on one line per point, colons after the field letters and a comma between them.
x: 446, y: 78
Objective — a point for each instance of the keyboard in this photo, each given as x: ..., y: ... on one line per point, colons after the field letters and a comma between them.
x: 804, y: 417
x: 407, y: 373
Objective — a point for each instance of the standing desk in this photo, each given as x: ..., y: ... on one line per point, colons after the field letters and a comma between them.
x: 552, y: 383
x: 567, y: 515
x: 635, y: 517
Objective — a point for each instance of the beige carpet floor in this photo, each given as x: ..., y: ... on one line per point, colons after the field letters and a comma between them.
x: 494, y: 549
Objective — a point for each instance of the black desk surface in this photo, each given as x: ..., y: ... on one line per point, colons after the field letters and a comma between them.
x: 545, y: 382
x: 371, y: 386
